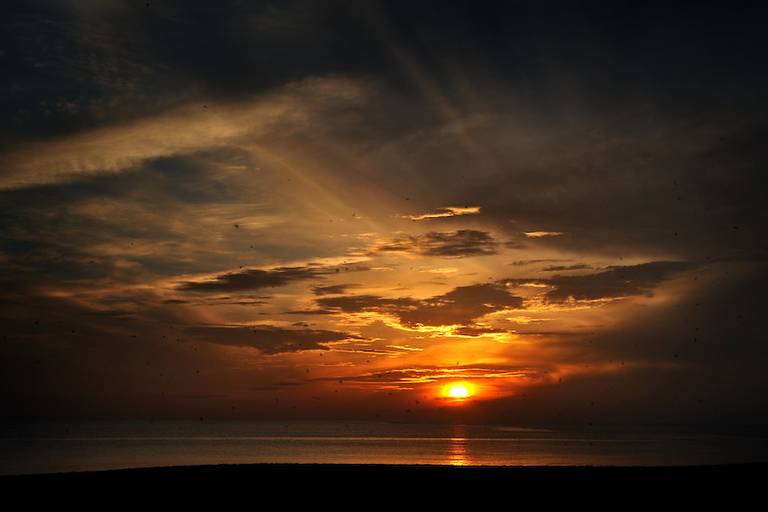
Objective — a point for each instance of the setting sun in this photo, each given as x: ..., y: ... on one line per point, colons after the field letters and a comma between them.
x: 458, y: 390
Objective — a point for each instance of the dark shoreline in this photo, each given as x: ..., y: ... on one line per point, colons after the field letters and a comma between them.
x: 396, y: 485
x: 280, y: 470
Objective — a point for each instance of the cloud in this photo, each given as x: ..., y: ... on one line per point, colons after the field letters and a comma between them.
x: 187, y: 129
x: 423, y: 375
x: 254, y: 279
x: 448, y: 211
x: 520, y: 263
x: 237, y: 300
x: 559, y: 268
x: 687, y: 360
x: 476, y: 330
x: 542, y: 234
x: 333, y: 289
x: 361, y: 303
x: 461, y: 305
x: 452, y: 244
x: 616, y: 282
x: 269, y: 339
x: 312, y: 312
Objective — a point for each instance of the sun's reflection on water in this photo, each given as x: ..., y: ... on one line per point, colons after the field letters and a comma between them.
x: 457, y: 450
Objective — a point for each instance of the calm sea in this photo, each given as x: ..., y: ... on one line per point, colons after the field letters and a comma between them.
x: 80, y: 446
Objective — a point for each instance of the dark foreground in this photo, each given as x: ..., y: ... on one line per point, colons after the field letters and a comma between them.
x: 381, y: 483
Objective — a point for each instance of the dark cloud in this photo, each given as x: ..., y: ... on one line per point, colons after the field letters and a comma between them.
x: 520, y: 263
x: 464, y: 242
x: 718, y: 324
x: 699, y: 359
x: 312, y: 312
x: 333, y: 289
x: 67, y: 63
x: 461, y: 305
x: 255, y: 279
x: 616, y: 282
x: 269, y: 339
x: 48, y: 341
x: 361, y: 303
x: 407, y: 376
x: 452, y: 244
x: 251, y: 279
x: 560, y: 268
x: 237, y: 300
x: 474, y: 330
x: 71, y: 66
x: 709, y: 206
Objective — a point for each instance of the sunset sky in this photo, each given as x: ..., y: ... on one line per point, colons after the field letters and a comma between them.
x: 338, y: 209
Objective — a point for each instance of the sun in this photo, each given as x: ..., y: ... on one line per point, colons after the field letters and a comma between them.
x: 459, y: 390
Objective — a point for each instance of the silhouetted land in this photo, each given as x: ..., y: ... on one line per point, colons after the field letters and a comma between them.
x: 325, y: 482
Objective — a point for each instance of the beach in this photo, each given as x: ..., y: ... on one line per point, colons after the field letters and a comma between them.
x: 337, y: 484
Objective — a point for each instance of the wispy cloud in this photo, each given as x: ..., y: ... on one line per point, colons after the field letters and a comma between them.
x: 269, y: 339
x: 188, y: 129
x: 436, y: 374
x: 448, y: 211
x: 452, y: 244
x: 255, y: 279
x: 542, y: 234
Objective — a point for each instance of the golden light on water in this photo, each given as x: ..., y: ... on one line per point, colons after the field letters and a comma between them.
x: 458, y: 454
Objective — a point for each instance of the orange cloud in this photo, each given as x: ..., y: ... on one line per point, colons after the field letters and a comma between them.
x: 448, y: 211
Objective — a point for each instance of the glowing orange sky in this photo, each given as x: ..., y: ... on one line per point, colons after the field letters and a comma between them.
x: 284, y: 223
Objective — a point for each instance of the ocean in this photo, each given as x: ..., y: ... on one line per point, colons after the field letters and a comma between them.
x: 48, y: 447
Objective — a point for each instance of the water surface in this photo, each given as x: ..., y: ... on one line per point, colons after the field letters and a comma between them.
x: 96, y: 445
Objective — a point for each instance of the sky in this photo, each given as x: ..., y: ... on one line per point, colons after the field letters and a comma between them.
x: 338, y: 209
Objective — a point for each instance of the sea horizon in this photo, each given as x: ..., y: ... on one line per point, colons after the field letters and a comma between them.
x: 95, y: 445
